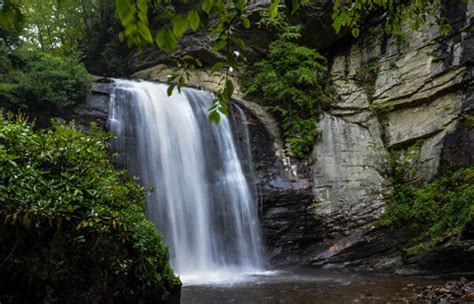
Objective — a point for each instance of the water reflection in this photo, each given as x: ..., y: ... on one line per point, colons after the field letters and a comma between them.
x: 308, y: 287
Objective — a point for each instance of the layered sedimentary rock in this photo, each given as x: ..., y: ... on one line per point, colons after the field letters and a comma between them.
x: 389, y: 95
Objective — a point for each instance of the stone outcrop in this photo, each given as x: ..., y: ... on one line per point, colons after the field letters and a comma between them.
x: 390, y: 95
x: 349, y: 186
x: 318, y: 33
x: 96, y: 107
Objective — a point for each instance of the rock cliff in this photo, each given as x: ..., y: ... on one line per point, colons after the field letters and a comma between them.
x: 388, y: 95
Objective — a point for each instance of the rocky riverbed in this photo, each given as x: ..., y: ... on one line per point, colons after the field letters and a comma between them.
x: 455, y: 291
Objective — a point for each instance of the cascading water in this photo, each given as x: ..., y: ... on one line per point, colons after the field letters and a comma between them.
x: 201, y: 200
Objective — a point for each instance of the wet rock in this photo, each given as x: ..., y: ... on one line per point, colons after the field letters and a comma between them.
x: 453, y: 255
x: 289, y: 229
x: 95, y: 109
x: 195, y: 44
x: 459, y: 291
x: 349, y: 186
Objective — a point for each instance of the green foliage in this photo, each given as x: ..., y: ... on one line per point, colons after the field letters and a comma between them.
x: 172, y: 25
x: 402, y: 163
x: 11, y: 17
x: 34, y: 79
x: 86, y: 29
x: 380, y: 109
x: 229, y: 14
x: 351, y: 13
x: 115, y: 64
x: 71, y: 224
x: 440, y: 209
x: 291, y: 82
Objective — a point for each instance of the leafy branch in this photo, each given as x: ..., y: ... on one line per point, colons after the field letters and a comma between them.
x: 351, y: 13
x: 226, y: 15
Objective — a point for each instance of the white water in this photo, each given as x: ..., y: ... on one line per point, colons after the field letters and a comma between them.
x: 201, y: 202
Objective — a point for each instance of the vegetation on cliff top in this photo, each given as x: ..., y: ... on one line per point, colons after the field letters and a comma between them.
x: 72, y: 226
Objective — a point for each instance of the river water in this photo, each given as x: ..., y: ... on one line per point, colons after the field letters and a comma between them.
x: 308, y: 287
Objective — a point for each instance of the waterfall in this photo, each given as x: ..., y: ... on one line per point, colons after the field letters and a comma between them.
x: 201, y: 201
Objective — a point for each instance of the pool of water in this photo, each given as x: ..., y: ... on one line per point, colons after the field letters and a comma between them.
x: 307, y: 287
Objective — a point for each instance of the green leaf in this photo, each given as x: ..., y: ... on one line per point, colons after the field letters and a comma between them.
x: 166, y: 39
x: 219, y: 45
x: 228, y: 90
x: 239, y: 4
x: 194, y: 19
x: 143, y: 6
x: 214, y: 117
x: 337, y: 23
x: 145, y: 32
x: 170, y: 89
x: 206, y: 5
x: 121, y: 37
x: 355, y: 32
x: 274, y: 8
x: 122, y: 7
x: 198, y: 63
x: 293, y: 5
x: 216, y: 67
x: 129, y: 16
x: 180, y: 25
x: 131, y: 29
x: 143, y: 17
x: 245, y: 22
x: 239, y: 43
x: 224, y: 107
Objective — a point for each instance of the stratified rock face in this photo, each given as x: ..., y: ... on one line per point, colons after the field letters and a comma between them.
x: 389, y: 95
x: 95, y: 109
x: 348, y: 183
x: 291, y: 232
x: 195, y: 44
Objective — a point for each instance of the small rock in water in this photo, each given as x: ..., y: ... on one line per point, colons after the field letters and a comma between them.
x: 469, y: 297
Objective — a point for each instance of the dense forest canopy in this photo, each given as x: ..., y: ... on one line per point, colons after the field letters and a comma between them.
x: 82, y: 29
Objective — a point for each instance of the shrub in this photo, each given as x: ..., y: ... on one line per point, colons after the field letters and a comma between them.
x: 291, y: 82
x: 73, y: 228
x: 434, y: 212
x: 39, y: 80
